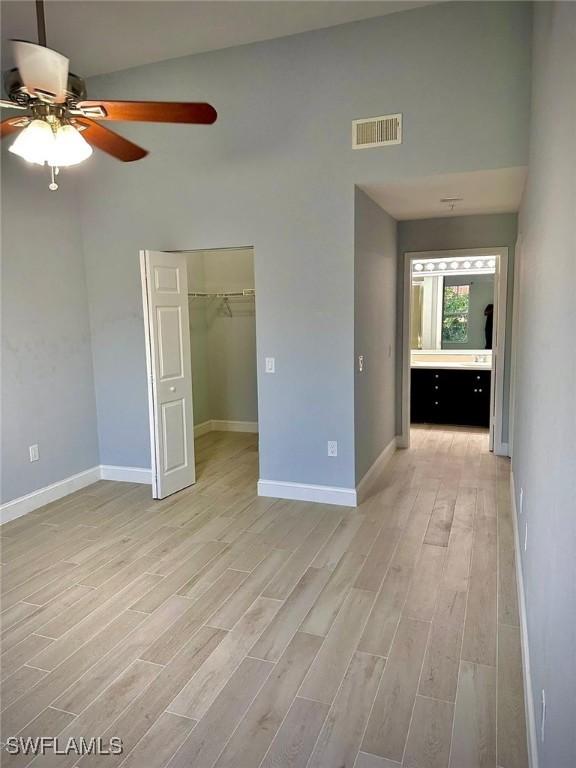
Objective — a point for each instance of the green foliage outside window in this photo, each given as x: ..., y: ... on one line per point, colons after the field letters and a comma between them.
x: 455, y: 314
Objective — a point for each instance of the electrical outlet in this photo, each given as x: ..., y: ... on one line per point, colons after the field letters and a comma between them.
x: 525, y: 537
x: 360, y: 363
x: 543, y: 717
x: 332, y: 448
x: 521, y: 500
x: 270, y: 365
x: 34, y: 453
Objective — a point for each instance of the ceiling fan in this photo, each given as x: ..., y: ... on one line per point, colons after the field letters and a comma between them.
x: 61, y: 126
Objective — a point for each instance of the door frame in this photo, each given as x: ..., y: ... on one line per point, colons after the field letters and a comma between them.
x: 498, y: 348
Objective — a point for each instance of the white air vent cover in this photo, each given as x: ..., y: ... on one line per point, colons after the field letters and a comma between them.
x: 377, y: 131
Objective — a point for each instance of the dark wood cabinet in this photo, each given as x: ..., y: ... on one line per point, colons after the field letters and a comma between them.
x: 450, y: 396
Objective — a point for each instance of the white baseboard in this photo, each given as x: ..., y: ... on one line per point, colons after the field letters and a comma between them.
x: 528, y: 695
x: 365, y: 485
x: 219, y: 425
x: 323, y: 494
x: 126, y: 474
x: 31, y: 501
x: 202, y: 429
x: 223, y: 425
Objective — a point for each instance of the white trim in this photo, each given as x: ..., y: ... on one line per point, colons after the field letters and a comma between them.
x: 323, y: 494
x: 498, y: 352
x: 31, y: 501
x: 222, y: 425
x: 126, y: 474
x: 528, y: 695
x: 365, y: 485
x: 202, y: 429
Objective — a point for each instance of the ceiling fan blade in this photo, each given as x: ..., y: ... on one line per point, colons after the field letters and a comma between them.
x: 44, y: 72
x: 109, y: 141
x: 10, y: 105
x: 10, y: 126
x: 150, y: 111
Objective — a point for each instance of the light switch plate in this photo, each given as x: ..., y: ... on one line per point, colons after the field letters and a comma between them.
x: 332, y: 448
x: 34, y: 452
x: 270, y: 365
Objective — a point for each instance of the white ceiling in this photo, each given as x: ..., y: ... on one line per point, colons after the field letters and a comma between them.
x: 109, y: 35
x: 497, y: 191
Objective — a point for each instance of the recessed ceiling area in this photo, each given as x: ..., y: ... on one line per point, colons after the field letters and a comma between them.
x: 497, y: 191
x: 108, y: 36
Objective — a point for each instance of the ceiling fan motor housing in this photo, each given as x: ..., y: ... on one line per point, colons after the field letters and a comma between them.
x: 18, y: 93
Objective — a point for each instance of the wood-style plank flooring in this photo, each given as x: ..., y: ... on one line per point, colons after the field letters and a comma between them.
x: 215, y: 628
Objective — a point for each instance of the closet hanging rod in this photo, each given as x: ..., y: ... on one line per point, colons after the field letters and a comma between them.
x: 224, y: 294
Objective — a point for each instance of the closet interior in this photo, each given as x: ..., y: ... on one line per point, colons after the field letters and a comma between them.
x: 222, y: 312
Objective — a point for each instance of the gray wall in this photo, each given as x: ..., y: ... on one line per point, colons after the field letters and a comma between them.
x: 451, y: 233
x: 277, y: 172
x: 544, y: 459
x: 47, y: 380
x: 199, y: 356
x: 375, y: 258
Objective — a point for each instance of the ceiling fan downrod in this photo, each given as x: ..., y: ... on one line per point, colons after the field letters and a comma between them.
x: 41, y: 21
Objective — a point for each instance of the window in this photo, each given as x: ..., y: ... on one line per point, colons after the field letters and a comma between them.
x: 456, y: 306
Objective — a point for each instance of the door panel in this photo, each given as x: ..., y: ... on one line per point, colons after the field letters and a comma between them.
x: 165, y: 296
x: 174, y: 426
x: 170, y: 357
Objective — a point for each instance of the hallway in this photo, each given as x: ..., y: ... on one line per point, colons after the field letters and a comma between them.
x: 215, y: 628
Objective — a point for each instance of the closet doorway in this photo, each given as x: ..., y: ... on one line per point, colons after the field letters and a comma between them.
x: 200, y: 327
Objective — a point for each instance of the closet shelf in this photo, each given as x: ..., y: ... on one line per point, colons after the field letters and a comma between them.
x: 224, y: 294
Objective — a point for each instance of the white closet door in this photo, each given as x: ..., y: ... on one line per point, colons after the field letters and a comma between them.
x: 165, y: 296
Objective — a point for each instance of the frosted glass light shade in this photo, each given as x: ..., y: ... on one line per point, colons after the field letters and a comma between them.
x: 35, y: 143
x: 39, y: 144
x: 70, y: 147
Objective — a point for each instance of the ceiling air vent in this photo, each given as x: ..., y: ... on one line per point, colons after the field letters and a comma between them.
x: 377, y: 131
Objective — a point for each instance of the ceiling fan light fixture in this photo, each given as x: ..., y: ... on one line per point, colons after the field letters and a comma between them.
x: 70, y: 147
x: 35, y: 143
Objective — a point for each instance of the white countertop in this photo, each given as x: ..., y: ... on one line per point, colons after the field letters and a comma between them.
x: 454, y: 366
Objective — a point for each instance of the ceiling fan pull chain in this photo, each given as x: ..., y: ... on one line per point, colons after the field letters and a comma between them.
x: 53, y: 186
x: 41, y: 19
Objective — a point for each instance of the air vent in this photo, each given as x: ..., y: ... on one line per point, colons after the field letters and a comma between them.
x: 377, y: 131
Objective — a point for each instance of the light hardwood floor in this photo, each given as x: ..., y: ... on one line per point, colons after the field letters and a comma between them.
x: 215, y: 628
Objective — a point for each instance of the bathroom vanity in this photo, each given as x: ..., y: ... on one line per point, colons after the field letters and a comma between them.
x: 450, y: 394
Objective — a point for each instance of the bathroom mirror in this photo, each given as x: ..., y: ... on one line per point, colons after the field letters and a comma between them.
x: 452, y: 311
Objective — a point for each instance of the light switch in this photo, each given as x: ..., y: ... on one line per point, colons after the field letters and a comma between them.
x: 270, y: 365
x: 34, y: 453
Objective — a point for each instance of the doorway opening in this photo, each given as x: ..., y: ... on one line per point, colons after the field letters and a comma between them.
x: 200, y: 326
x: 454, y: 340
